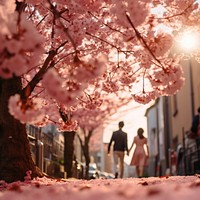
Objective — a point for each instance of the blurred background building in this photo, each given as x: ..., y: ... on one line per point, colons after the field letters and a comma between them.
x: 168, y: 121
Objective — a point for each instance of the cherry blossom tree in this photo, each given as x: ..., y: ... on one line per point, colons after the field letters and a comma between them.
x: 90, y: 123
x: 59, y: 56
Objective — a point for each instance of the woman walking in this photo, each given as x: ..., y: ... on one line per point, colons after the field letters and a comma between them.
x: 139, y: 159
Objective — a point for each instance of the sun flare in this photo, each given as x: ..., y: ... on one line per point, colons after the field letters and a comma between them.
x: 189, y: 41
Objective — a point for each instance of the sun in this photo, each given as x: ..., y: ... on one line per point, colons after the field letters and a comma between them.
x: 188, y: 41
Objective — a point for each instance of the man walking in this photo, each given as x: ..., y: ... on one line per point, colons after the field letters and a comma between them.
x: 119, y: 138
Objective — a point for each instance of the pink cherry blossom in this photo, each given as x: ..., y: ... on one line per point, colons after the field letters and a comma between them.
x: 127, y: 79
x: 66, y: 95
x: 110, y: 87
x: 43, y: 122
x: 89, y: 69
x: 161, y: 43
x: 13, y: 46
x: 144, y: 97
x: 28, y: 111
x: 169, y: 80
x: 68, y: 51
x: 70, y: 125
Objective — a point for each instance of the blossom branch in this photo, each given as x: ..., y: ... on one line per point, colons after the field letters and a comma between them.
x: 141, y: 39
x: 113, y: 29
x: 112, y: 45
x: 38, y: 77
x: 87, y: 33
x: 178, y: 14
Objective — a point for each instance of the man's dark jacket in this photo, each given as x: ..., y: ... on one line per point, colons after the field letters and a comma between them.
x: 120, y: 141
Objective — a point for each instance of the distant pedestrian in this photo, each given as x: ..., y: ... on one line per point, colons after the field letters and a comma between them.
x: 139, y: 159
x: 119, y: 138
x: 195, y: 129
x: 196, y: 124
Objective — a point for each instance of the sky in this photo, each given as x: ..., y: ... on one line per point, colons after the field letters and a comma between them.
x: 152, y: 188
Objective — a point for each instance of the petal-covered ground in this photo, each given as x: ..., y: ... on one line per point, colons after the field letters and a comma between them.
x: 166, y: 188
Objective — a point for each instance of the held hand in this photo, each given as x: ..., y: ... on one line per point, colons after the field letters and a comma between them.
x: 127, y: 153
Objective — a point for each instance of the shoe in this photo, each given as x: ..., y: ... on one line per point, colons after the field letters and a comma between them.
x: 116, y: 175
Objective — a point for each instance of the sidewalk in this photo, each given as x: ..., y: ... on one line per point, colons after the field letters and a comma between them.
x: 155, y: 188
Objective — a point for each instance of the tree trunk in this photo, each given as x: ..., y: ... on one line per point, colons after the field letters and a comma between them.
x: 87, y: 159
x: 15, y: 154
x: 85, y: 149
x: 69, y: 152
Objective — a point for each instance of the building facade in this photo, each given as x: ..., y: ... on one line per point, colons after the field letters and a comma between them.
x: 168, y: 121
x: 47, y: 148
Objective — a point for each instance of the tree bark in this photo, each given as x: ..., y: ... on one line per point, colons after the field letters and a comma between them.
x: 15, y: 154
x: 69, y: 152
x: 87, y: 159
x: 85, y: 149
